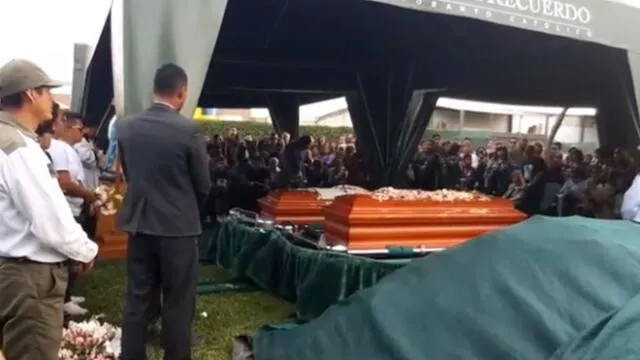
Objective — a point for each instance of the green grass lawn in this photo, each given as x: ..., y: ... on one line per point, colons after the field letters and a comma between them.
x: 229, y: 314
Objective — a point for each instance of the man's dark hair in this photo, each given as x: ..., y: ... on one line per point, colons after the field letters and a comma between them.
x: 71, y: 115
x: 72, y: 118
x: 45, y: 128
x: 55, y: 109
x: 169, y: 79
x: 604, y: 153
x: 304, y: 141
x: 15, y: 101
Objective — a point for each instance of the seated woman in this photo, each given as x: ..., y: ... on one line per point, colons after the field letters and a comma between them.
x: 497, y: 174
x: 338, y: 173
x: 258, y: 177
x: 219, y: 201
x: 571, y: 195
x: 317, y: 175
x: 468, y: 182
x: 555, y: 173
x: 600, y: 195
x: 515, y: 191
x: 274, y: 169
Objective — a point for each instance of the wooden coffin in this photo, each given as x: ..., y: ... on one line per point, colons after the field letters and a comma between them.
x: 361, y: 222
x: 112, y: 242
x: 300, y: 207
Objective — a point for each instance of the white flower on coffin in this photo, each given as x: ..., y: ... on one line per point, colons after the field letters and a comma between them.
x: 109, y: 200
x: 334, y: 192
x: 90, y: 340
x: 389, y: 193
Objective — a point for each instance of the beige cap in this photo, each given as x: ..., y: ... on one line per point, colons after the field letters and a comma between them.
x: 17, y: 76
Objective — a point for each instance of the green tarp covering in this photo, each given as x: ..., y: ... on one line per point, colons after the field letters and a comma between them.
x: 562, y: 289
x: 315, y: 280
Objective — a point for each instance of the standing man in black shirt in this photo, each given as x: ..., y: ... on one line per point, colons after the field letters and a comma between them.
x: 291, y: 162
x: 533, y: 169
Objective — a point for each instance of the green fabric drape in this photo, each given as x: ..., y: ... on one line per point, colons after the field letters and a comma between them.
x: 146, y: 34
x: 389, y: 117
x: 315, y: 280
x: 547, y: 288
x: 284, y: 109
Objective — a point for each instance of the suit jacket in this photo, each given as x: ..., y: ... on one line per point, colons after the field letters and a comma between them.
x: 164, y: 160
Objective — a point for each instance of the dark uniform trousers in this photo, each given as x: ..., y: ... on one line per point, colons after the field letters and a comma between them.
x: 31, y: 319
x: 157, y: 267
x: 72, y: 274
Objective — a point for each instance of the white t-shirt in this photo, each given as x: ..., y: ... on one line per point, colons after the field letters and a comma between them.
x: 86, y: 152
x: 474, y: 159
x: 65, y: 158
x: 630, y: 209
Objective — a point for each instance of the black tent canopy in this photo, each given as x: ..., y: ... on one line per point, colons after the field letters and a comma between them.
x: 392, y: 59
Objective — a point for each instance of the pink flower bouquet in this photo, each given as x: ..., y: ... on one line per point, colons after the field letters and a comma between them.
x: 90, y: 340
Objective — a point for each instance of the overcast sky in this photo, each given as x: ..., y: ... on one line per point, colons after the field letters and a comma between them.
x: 44, y: 31
x: 55, y: 25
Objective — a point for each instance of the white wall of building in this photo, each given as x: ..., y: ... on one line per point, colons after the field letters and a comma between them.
x: 457, y: 115
x: 337, y: 119
x: 571, y: 130
x: 448, y: 119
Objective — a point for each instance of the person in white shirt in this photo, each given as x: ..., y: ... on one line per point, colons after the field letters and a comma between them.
x: 69, y: 130
x: 630, y: 209
x: 39, y: 235
x: 91, y: 160
x: 467, y: 149
x: 89, y: 157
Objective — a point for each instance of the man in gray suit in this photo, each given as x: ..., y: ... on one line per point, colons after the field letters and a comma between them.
x: 165, y: 164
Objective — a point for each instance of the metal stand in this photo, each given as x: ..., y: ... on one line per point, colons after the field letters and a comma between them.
x: 252, y: 219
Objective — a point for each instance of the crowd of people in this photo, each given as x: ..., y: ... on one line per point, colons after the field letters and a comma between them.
x: 540, y: 179
x: 244, y: 169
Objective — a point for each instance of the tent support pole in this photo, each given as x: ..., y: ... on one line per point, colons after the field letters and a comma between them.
x: 556, y: 126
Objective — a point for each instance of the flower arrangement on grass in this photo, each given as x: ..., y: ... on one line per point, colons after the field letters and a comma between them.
x: 90, y: 340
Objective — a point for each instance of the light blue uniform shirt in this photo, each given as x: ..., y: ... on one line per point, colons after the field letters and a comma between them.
x: 112, y: 150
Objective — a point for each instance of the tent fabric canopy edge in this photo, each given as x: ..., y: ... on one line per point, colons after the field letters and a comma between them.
x: 150, y: 44
x: 603, y: 22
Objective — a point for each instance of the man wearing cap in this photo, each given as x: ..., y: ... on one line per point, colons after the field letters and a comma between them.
x: 39, y: 234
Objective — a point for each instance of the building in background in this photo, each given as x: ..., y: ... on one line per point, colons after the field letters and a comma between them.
x: 467, y: 118
x: 64, y: 100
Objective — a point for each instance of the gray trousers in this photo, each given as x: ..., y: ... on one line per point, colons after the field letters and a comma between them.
x: 31, y: 319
